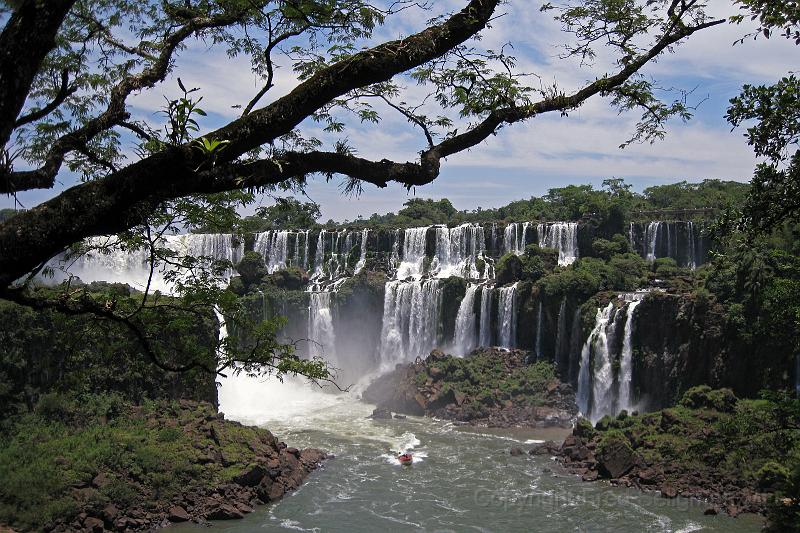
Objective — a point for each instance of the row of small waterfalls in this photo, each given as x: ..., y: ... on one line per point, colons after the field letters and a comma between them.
x: 417, y: 265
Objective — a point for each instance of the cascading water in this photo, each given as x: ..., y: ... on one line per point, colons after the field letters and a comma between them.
x: 362, y: 260
x: 274, y: 248
x: 678, y: 240
x: 321, y: 336
x: 413, y: 261
x: 626, y: 360
x: 562, y: 236
x: 319, y: 258
x: 597, y: 342
x: 601, y: 390
x: 114, y: 264
x: 561, y: 333
x: 507, y: 319
x: 485, y: 328
x: 307, y: 236
x: 651, y: 240
x: 692, y: 263
x: 458, y: 250
x: 514, y: 238
x: 465, y: 334
x: 539, y: 319
x: 411, y: 312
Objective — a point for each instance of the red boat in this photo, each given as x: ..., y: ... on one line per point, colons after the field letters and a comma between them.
x: 405, y: 459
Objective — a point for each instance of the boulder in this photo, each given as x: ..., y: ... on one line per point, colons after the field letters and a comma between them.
x: 110, y: 513
x: 225, y: 512
x: 381, y: 413
x: 615, y: 458
x: 669, y: 491
x: 545, y: 448
x: 311, y: 457
x: 591, y: 475
x: 517, y: 452
x: 178, y: 514
x: 251, y: 476
x: 93, y: 524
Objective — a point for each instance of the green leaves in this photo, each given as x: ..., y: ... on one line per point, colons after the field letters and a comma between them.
x: 776, y: 112
x: 772, y: 15
x: 475, y: 82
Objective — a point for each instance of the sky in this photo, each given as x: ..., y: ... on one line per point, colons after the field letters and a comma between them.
x: 525, y: 159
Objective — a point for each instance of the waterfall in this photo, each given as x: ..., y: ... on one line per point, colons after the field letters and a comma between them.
x: 678, y: 240
x: 413, y: 262
x: 626, y: 360
x: 114, y: 264
x: 632, y: 237
x: 273, y: 246
x: 562, y: 236
x: 575, y: 344
x: 597, y: 345
x: 651, y: 240
x: 602, y: 390
x: 307, y: 237
x: 362, y: 260
x: 539, y: 319
x: 457, y: 251
x: 485, y: 328
x: 319, y: 258
x: 506, y: 323
x: 411, y: 315
x: 515, y: 238
x: 561, y: 333
x: 465, y: 323
x: 394, y: 258
x: 321, y: 336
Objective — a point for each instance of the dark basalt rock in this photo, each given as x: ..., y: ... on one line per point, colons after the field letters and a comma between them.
x: 432, y: 387
x: 381, y: 413
x: 616, y: 458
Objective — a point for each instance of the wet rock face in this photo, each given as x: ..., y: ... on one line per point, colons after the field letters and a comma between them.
x: 510, y: 393
x: 683, y: 342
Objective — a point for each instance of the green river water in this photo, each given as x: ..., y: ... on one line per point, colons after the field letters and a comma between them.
x: 463, y: 479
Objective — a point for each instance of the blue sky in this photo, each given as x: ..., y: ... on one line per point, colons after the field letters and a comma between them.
x: 527, y: 159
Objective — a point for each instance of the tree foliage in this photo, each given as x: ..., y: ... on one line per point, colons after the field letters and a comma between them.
x: 774, y: 114
x: 69, y: 67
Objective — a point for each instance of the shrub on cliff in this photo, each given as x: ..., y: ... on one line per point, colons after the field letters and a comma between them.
x: 704, y: 397
x: 508, y: 269
x: 290, y: 279
x: 606, y: 249
x: 251, y: 268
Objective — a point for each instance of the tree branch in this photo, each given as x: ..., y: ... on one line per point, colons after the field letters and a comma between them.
x: 125, y: 198
x: 115, y: 113
x: 27, y: 38
x: 65, y: 91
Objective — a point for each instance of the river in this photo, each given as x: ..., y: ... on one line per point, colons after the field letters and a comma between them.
x: 463, y: 479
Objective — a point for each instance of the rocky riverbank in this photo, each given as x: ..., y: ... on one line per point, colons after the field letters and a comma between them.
x: 736, y: 455
x: 140, y: 468
x: 490, y: 387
